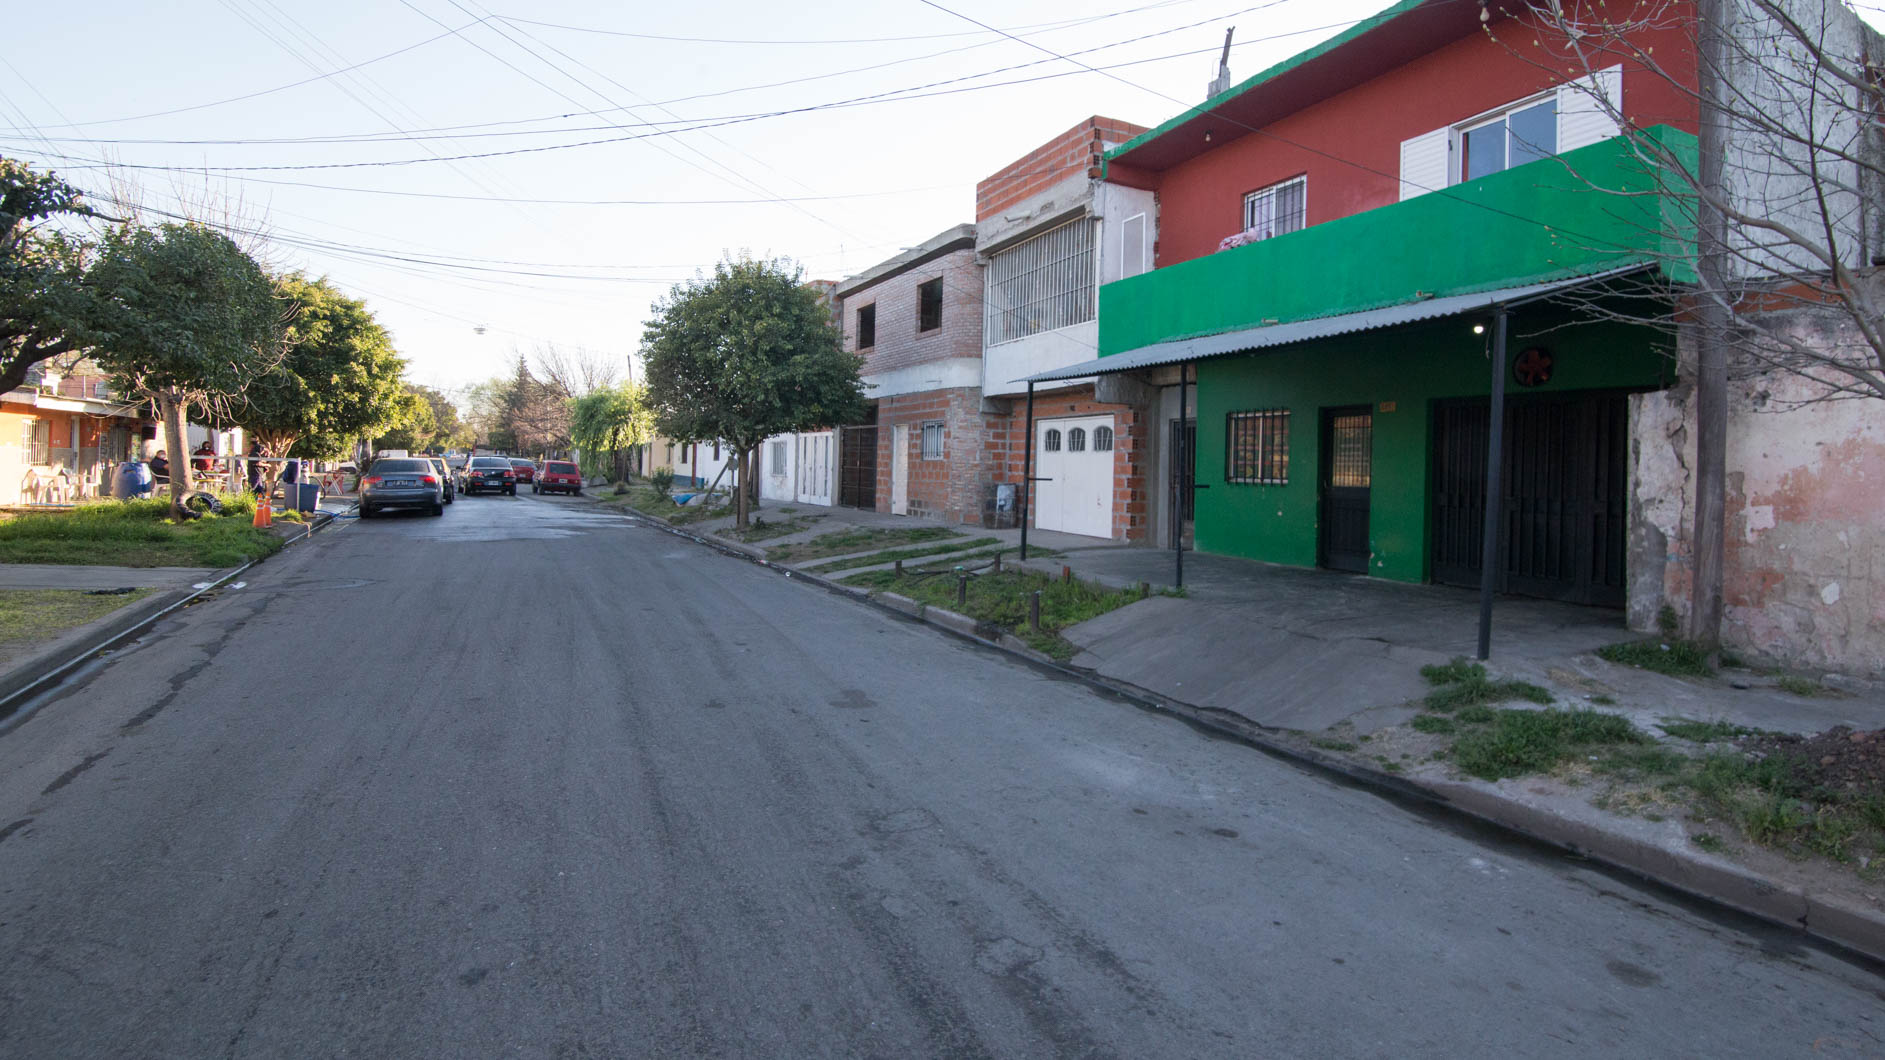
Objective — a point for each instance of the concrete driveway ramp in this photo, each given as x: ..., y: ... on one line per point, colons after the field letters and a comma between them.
x: 1220, y: 656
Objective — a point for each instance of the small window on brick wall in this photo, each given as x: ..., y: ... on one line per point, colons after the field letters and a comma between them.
x: 1257, y: 447
x: 867, y: 327
x: 929, y: 305
x: 932, y: 441
x: 1102, y: 439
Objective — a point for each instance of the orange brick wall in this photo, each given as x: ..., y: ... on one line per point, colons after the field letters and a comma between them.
x: 1005, y: 439
x: 1077, y: 149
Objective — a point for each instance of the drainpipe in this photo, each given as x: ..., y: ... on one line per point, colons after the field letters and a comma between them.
x: 1027, y: 471
x: 1495, y: 487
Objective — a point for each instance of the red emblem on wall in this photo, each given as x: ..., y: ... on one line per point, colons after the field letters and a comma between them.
x: 1533, y: 367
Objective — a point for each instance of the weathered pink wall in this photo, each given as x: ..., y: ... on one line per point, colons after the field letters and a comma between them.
x: 1804, y: 583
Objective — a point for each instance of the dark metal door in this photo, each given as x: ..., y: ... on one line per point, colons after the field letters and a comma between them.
x: 1565, y: 496
x: 1181, y: 470
x: 857, y: 468
x: 1347, y: 477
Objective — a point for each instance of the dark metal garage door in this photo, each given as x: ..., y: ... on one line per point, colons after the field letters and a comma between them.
x: 857, y: 468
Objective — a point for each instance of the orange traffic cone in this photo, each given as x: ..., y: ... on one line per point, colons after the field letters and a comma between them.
x: 264, y: 518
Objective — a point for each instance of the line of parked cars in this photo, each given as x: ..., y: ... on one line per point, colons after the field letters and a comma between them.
x: 427, y: 483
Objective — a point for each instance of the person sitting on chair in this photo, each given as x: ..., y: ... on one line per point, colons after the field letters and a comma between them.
x: 160, y: 467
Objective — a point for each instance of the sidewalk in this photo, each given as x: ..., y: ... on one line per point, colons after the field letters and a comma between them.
x: 1311, y: 664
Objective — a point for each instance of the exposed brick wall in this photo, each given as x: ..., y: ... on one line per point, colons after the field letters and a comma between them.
x: 1078, y: 149
x: 956, y: 489
x: 1005, y: 438
x: 899, y: 344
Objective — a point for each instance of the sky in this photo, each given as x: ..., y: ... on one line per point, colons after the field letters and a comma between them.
x: 492, y: 178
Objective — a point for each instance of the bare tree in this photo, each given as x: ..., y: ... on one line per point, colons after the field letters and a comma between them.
x: 576, y: 372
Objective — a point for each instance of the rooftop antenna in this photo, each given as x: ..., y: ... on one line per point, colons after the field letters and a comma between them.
x: 1222, y: 83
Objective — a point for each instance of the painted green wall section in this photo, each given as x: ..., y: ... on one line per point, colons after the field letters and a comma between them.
x: 1410, y: 368
x: 1536, y: 222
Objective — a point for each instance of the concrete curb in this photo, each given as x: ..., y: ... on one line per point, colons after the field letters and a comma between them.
x: 1855, y: 929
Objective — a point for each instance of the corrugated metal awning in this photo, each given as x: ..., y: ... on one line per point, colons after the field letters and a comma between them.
x: 1246, y: 340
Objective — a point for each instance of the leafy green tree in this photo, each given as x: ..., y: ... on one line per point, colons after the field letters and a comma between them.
x: 192, y: 320
x: 337, y: 380
x: 746, y: 354
x: 411, y: 425
x: 606, y: 423
x: 48, y: 307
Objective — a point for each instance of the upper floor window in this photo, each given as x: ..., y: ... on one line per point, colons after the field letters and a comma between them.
x: 1041, y: 284
x: 1573, y: 115
x: 1277, y: 209
x: 929, y: 305
x: 1513, y: 137
x: 867, y: 326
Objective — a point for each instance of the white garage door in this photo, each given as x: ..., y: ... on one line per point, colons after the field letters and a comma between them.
x: 1075, y: 456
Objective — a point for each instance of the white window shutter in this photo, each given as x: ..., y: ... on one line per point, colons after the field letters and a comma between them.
x: 1584, y: 119
x: 1424, y: 162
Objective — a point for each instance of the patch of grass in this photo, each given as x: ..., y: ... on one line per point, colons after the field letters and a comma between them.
x: 1002, y: 600
x: 1603, y: 701
x: 1332, y: 745
x: 1532, y: 741
x: 1481, y: 692
x: 28, y: 615
x: 1703, y: 731
x: 892, y: 555
x: 1804, y: 687
x: 1478, y: 714
x: 1454, y: 672
x: 697, y: 513
x: 857, y: 539
x: 135, y: 534
x: 1433, y: 723
x: 1677, y: 658
x: 1642, y: 762
x: 759, y: 529
x: 1709, y: 842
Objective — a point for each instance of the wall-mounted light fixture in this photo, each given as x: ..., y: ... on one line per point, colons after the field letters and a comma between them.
x: 1479, y: 329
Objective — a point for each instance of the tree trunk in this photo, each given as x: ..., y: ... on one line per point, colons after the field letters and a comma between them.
x: 739, y: 489
x: 752, y: 464
x: 173, y: 408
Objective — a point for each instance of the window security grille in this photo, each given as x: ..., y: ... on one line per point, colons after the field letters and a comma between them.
x: 1277, y: 209
x: 1076, y: 440
x: 1051, y: 442
x: 932, y: 441
x: 1042, y: 284
x: 777, y: 458
x: 1351, y: 441
x: 1257, y: 445
x: 1102, y: 439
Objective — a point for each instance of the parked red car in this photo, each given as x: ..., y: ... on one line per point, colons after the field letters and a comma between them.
x: 559, y: 476
x: 526, y: 471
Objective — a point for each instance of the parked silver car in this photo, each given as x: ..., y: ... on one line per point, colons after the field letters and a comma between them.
x: 401, y: 483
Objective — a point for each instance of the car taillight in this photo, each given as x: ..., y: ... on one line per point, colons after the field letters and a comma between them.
x: 509, y: 474
x: 430, y: 480
x: 371, y: 480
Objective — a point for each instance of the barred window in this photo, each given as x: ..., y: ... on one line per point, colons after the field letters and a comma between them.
x: 1277, y: 209
x: 932, y: 441
x: 1257, y: 447
x: 1102, y: 439
x: 1051, y: 442
x: 1041, y: 284
x: 1076, y: 440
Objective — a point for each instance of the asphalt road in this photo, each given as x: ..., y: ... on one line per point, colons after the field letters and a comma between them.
x: 528, y: 779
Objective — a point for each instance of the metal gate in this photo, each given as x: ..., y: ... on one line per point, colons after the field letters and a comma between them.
x: 857, y: 468
x: 1347, y: 478
x: 1566, y: 496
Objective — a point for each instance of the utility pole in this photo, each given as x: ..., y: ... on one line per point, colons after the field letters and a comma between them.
x: 1712, y: 321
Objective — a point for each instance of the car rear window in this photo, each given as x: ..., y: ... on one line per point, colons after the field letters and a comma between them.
x: 554, y: 468
x: 381, y: 467
x: 522, y: 463
x: 490, y: 461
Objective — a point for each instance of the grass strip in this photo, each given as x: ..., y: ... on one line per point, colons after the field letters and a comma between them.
x: 1518, y: 742
x: 1002, y: 599
x: 29, y: 615
x: 137, y: 534
x: 895, y: 554
x: 1677, y: 658
x: 857, y: 539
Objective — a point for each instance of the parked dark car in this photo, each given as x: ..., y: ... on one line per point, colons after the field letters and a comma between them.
x: 559, y: 476
x: 526, y: 471
x: 490, y: 474
x: 445, y: 476
x: 401, y: 483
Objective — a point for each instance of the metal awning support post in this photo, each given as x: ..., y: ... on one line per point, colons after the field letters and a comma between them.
x: 1489, y: 550
x: 1027, y: 472
x: 1178, y: 495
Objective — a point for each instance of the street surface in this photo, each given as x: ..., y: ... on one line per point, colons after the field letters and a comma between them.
x: 529, y: 779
